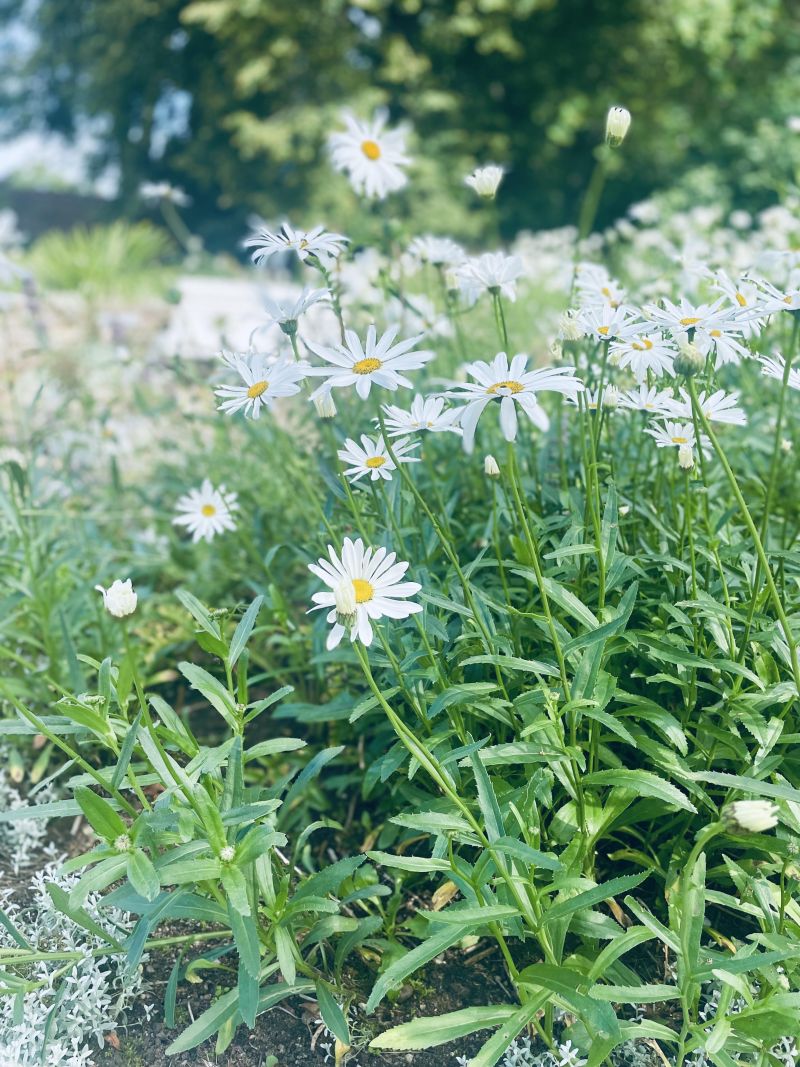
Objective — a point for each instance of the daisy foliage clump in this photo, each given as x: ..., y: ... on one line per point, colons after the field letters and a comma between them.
x: 547, y: 697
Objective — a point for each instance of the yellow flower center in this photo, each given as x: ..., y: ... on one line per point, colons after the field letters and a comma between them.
x: 715, y: 333
x: 256, y: 389
x: 505, y: 388
x: 366, y: 366
x: 208, y: 510
x: 375, y: 461
x: 787, y: 300
x: 603, y: 330
x: 371, y: 149
x: 689, y: 322
x: 645, y: 346
x: 740, y: 300
x: 680, y: 440
x: 363, y: 590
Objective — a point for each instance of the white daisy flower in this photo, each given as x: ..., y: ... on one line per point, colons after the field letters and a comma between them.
x: 485, y: 180
x: 372, y: 578
x: 678, y: 435
x: 427, y: 413
x: 780, y: 300
x: 372, y: 458
x: 511, y: 384
x: 606, y: 398
x: 750, y: 816
x: 719, y: 407
x: 316, y: 243
x: 493, y: 272
x: 644, y: 352
x: 596, y: 287
x: 726, y: 343
x: 653, y: 401
x: 379, y: 360
x: 263, y: 381
x: 372, y: 156
x: 206, y: 511
x: 685, y: 315
x: 775, y: 368
x: 285, y: 313
x: 746, y: 300
x: 606, y: 322
x: 439, y: 251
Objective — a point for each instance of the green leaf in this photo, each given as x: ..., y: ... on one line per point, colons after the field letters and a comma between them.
x: 409, y: 863
x: 514, y: 663
x: 332, y: 1014
x: 142, y: 875
x: 751, y: 786
x: 235, y: 886
x: 645, y: 994
x: 213, y: 690
x: 433, y: 1030
x: 510, y: 1029
x: 126, y: 752
x: 597, y: 895
x: 398, y: 971
x: 473, y: 916
x: 78, y: 915
x: 285, y: 949
x: 198, y: 612
x: 101, y: 816
x: 242, y: 633
x: 207, y: 1024
x: 245, y: 935
x: 645, y: 784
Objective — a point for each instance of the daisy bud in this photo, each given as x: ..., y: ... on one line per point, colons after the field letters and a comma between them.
x: 618, y: 123
x: 750, y: 816
x: 485, y: 180
x: 227, y: 853
x: 122, y: 843
x: 325, y: 405
x: 689, y: 359
x: 490, y: 467
x: 569, y: 327
x: 786, y: 445
x: 686, y: 457
x: 624, y: 509
x: 119, y: 599
x: 556, y: 350
x: 344, y: 596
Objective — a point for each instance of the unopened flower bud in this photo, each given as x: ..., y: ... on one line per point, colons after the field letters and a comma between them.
x: 686, y: 457
x: 485, y: 180
x: 618, y: 123
x: 325, y: 405
x: 344, y: 597
x: 786, y: 445
x: 569, y: 327
x: 119, y: 599
x: 227, y: 853
x: 750, y: 816
x: 122, y: 843
x: 689, y: 359
x: 490, y: 467
x: 624, y: 509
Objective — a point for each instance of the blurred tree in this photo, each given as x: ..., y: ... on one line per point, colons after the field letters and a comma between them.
x: 233, y: 99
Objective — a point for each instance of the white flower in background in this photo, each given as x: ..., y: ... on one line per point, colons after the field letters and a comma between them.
x: 119, y: 599
x: 485, y: 180
x: 206, y: 512
x: 493, y: 272
x: 596, y: 399
x: 155, y: 192
x: 378, y: 589
x: 372, y: 458
x: 379, y: 360
x: 491, y: 468
x: 780, y: 299
x: 316, y: 243
x: 719, y: 407
x: 511, y: 384
x: 618, y: 122
x: 569, y: 327
x: 285, y: 313
x: 750, y: 816
x: 372, y: 156
x: 745, y: 298
x: 606, y: 322
x: 262, y: 382
x: 684, y: 315
x: 649, y: 399
x: 596, y: 287
x: 643, y: 353
x: 427, y: 413
x: 438, y: 251
x: 567, y: 1054
x: 776, y: 367
x: 786, y: 445
x: 678, y: 435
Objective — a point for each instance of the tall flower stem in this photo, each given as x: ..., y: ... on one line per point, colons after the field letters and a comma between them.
x: 751, y: 526
x: 500, y: 318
